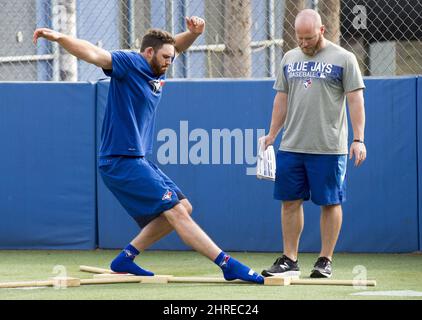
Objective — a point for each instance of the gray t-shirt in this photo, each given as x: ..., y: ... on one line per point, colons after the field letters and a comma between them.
x: 316, y: 120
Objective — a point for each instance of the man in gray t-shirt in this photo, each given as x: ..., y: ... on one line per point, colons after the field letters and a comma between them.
x: 310, y: 105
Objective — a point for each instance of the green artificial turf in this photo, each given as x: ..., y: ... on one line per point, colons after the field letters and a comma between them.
x: 393, y: 272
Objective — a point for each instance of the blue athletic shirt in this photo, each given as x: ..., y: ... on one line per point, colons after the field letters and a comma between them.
x: 133, y: 97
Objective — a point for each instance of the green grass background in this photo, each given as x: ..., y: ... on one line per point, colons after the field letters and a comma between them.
x: 392, y: 272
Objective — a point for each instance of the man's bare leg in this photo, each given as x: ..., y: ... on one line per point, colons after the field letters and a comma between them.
x: 331, y: 220
x: 179, y: 218
x: 330, y: 223
x: 152, y: 232
x: 292, y: 225
x: 196, y: 238
x: 156, y: 229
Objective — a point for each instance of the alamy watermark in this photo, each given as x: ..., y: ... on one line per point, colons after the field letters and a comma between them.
x: 209, y: 147
x: 361, y: 275
x: 360, y: 20
x: 61, y: 273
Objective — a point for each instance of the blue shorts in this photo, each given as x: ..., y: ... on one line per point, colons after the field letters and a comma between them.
x: 140, y: 186
x: 317, y: 176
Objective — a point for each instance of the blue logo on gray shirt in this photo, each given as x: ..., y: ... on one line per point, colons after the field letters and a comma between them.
x: 311, y: 69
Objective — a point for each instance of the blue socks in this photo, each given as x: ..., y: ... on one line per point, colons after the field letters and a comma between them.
x: 124, y: 263
x: 233, y: 269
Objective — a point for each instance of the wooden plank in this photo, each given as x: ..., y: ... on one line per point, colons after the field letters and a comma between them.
x: 127, y: 279
x: 64, y: 282
x: 204, y: 280
x: 23, y: 284
x: 61, y: 282
x: 158, y: 279
x: 94, y: 269
x: 111, y: 275
x: 75, y: 282
x: 277, y: 281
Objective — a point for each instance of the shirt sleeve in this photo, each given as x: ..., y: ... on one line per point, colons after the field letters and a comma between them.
x: 281, y: 83
x: 120, y: 64
x: 352, y: 77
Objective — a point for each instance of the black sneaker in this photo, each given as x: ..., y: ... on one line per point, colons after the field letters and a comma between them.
x: 322, y: 268
x: 283, y: 266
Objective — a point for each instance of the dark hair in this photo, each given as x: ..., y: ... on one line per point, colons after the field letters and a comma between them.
x: 156, y: 38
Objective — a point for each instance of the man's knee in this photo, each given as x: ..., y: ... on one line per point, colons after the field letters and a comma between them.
x: 332, y: 208
x: 177, y: 213
x: 187, y: 205
x: 291, y: 206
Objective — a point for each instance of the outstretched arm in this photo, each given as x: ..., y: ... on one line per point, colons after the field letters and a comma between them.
x: 184, y: 40
x: 81, y: 49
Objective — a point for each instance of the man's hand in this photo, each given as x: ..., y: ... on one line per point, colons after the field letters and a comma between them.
x: 266, y: 141
x: 47, y: 34
x: 195, y: 24
x: 358, y: 150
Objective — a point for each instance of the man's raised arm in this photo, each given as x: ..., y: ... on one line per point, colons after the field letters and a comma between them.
x: 184, y: 40
x: 81, y: 49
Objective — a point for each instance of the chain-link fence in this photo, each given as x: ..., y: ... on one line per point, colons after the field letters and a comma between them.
x: 243, y: 38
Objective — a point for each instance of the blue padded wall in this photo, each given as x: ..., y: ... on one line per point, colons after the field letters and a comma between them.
x: 381, y: 213
x: 47, y: 181
x: 50, y: 193
x: 419, y: 156
x: 238, y: 211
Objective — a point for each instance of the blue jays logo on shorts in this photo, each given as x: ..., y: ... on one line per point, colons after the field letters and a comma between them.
x: 167, y: 195
x: 156, y: 85
x: 307, y: 83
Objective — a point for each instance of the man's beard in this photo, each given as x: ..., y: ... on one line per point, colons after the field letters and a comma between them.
x: 156, y: 67
x: 313, y: 50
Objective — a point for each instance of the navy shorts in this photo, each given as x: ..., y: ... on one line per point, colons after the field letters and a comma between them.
x: 140, y: 186
x: 319, y: 177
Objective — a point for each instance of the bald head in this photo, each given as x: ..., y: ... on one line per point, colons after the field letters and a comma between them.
x: 308, y: 19
x: 309, y: 31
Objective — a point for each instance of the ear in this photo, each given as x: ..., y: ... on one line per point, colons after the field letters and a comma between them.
x: 322, y: 29
x: 149, y: 52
